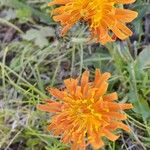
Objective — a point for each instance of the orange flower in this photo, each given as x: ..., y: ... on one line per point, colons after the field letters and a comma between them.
x: 103, y: 16
x: 85, y: 113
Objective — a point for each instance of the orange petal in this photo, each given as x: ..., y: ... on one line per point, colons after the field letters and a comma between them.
x: 125, y: 15
x: 97, y: 76
x: 125, y: 1
x: 116, y: 115
x: 124, y: 29
x: 105, y: 76
x: 104, y: 37
x: 56, y: 93
x: 82, y: 146
x: 50, y: 107
x: 110, y: 97
x: 58, y: 2
x: 71, y: 85
x: 95, y: 140
x: 110, y: 135
x: 101, y: 91
x: 116, y: 106
x: 66, y: 139
x: 84, y: 80
x: 119, y: 33
x: 122, y: 126
x: 74, y: 146
x: 50, y: 126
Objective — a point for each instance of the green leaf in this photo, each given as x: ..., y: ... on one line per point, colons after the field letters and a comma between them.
x: 15, y: 64
x: 39, y: 36
x: 33, y: 142
x: 142, y: 9
x: 143, y: 60
x: 9, y: 14
x: 24, y: 15
x: 16, y: 4
x: 144, y: 108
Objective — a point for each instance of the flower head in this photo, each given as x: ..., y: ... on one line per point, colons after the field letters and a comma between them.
x: 84, y: 113
x: 105, y: 19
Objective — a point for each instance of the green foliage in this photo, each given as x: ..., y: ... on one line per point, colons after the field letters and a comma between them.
x: 39, y: 36
x: 143, y: 60
x: 133, y: 74
x: 23, y: 14
x: 36, y: 57
x: 24, y: 6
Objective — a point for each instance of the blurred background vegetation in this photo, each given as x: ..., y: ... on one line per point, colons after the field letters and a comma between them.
x: 34, y: 56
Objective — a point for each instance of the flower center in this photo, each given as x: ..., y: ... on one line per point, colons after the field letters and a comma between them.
x: 84, y: 13
x: 85, y: 108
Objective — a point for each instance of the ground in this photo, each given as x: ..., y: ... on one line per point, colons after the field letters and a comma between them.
x: 34, y: 56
